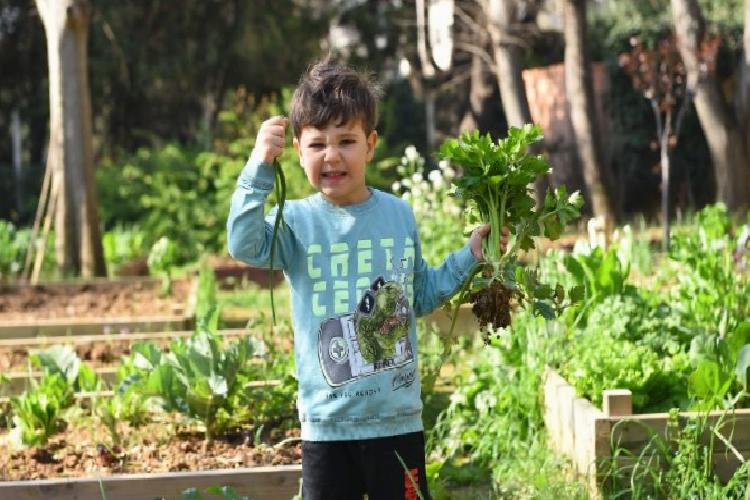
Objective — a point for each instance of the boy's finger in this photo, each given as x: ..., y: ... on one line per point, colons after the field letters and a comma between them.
x: 277, y: 120
x: 483, y: 230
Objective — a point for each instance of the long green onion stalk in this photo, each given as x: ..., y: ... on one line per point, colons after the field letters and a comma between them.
x: 280, y: 189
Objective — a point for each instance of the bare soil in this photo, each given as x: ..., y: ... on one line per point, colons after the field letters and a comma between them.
x: 129, y: 298
x: 86, y: 451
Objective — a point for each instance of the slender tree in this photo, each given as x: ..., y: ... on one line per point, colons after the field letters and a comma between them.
x: 727, y: 132
x: 70, y: 152
x: 580, y: 92
x: 659, y: 74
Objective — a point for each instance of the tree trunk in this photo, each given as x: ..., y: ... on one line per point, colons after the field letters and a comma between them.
x: 725, y: 136
x: 580, y: 93
x: 508, y: 71
x: 15, y: 137
x: 77, y: 234
x: 743, y: 86
x: 500, y: 20
x: 479, y: 91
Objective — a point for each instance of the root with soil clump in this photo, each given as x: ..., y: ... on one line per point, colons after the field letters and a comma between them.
x: 492, y: 305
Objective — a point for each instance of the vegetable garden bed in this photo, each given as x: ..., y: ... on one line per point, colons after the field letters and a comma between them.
x: 95, y: 350
x: 230, y: 273
x: 161, y: 459
x: 95, y: 307
x: 589, y: 436
x: 271, y: 483
x: 237, y: 317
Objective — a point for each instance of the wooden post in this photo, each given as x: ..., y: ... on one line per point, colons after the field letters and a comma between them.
x: 617, y: 402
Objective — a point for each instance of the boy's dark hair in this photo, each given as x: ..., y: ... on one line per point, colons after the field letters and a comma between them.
x: 328, y: 92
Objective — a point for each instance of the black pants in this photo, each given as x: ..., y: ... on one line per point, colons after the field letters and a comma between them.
x: 346, y: 470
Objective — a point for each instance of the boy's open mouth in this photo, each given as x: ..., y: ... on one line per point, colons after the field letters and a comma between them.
x: 333, y: 175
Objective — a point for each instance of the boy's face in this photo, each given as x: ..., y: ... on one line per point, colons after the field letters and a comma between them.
x: 335, y: 157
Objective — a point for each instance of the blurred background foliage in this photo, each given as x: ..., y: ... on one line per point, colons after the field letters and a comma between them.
x: 178, y: 94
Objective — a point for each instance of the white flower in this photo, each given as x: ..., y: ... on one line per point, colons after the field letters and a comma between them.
x: 436, y: 177
x: 416, y: 178
x: 411, y: 153
x: 449, y: 172
x: 396, y: 187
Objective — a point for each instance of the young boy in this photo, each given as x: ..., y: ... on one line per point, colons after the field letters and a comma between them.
x: 352, y: 257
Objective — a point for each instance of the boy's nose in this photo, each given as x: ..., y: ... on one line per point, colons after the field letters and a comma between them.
x: 331, y: 153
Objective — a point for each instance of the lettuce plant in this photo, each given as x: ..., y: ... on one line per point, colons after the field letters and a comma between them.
x: 36, y: 412
x: 495, y: 186
x: 198, y: 377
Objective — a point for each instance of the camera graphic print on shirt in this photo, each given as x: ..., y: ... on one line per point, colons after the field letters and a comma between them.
x: 372, y: 338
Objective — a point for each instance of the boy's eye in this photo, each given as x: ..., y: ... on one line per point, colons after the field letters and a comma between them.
x: 348, y: 141
x: 317, y: 145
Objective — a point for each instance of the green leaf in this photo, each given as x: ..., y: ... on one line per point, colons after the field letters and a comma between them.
x: 87, y: 379
x: 192, y: 494
x: 704, y: 382
x: 742, y: 370
x: 544, y: 310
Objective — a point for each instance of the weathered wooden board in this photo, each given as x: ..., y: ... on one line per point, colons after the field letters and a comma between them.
x: 93, y: 326
x: 267, y: 483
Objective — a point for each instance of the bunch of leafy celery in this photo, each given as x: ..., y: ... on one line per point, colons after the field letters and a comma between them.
x: 496, y: 185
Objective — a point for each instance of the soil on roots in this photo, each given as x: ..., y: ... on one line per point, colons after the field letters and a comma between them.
x: 492, y: 305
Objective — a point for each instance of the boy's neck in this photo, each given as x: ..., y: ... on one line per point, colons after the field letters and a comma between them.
x: 361, y: 197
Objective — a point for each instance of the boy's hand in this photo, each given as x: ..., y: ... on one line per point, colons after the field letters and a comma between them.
x: 480, y: 233
x: 270, y: 140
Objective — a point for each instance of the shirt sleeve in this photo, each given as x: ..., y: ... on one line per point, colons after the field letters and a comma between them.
x: 249, y: 233
x: 433, y: 286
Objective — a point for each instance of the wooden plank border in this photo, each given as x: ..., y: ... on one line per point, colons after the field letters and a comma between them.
x: 272, y: 483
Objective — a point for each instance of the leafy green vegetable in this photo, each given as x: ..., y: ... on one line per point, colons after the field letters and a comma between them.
x: 161, y: 259
x: 197, y: 377
x: 124, y: 406
x: 63, y: 360
x: 495, y: 187
x: 36, y: 413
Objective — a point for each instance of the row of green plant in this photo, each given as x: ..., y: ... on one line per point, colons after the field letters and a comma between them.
x: 682, y: 342
x: 205, y: 378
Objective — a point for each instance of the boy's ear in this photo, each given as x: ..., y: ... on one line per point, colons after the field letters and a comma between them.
x: 372, y: 140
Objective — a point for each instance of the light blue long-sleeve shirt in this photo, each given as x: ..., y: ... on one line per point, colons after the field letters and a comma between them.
x: 357, y: 280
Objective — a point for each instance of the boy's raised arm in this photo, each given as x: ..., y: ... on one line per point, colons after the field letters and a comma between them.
x: 249, y: 234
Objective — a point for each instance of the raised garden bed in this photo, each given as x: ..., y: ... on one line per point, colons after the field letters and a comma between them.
x: 20, y: 382
x: 238, y: 317
x: 160, y: 459
x: 269, y: 483
x: 231, y: 273
x: 95, y: 350
x: 587, y: 434
x: 95, y: 307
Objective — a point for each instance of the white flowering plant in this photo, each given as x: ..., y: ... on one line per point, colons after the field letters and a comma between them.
x: 439, y: 216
